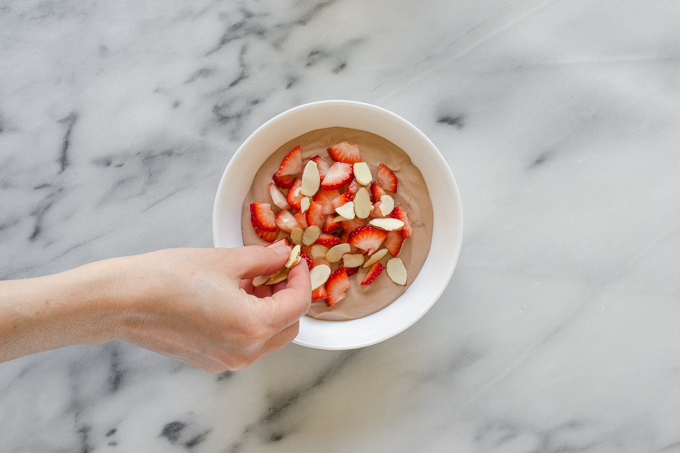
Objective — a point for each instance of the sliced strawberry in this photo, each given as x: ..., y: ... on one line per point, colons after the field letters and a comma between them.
x: 315, y: 216
x: 330, y: 226
x: 269, y: 236
x: 295, y: 194
x: 376, y: 212
x: 353, y: 186
x: 351, y: 225
x: 284, y: 182
x: 322, y: 165
x: 262, y: 216
x: 377, y: 191
x: 398, y: 213
x: 325, y: 197
x: 367, y: 238
x: 338, y: 175
x: 302, y: 220
x: 319, y: 293
x: 283, y: 241
x: 341, y: 200
x: 344, y: 152
x: 351, y: 271
x: 373, y: 273
x: 336, y: 285
x: 292, y: 163
x: 286, y: 221
x: 386, y: 178
x: 277, y: 197
x: 393, y: 242
x: 328, y: 240
x: 344, y: 237
x: 307, y: 258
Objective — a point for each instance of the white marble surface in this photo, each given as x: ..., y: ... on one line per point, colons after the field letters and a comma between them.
x: 559, y: 331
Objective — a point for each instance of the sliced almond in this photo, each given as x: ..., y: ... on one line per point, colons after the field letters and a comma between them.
x: 387, y: 224
x: 397, y: 271
x: 362, y: 173
x: 294, y: 257
x: 310, y: 235
x: 355, y: 260
x: 310, y: 179
x: 296, y: 236
x: 319, y: 275
x: 278, y: 277
x: 319, y: 251
x: 362, y: 203
x: 346, y: 210
x: 261, y: 280
x: 375, y: 257
x: 336, y: 252
x: 305, y: 202
x: 386, y: 205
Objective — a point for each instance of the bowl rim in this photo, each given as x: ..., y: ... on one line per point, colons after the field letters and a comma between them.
x: 306, y: 322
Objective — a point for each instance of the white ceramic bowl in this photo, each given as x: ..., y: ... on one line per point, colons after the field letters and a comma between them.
x: 447, y: 234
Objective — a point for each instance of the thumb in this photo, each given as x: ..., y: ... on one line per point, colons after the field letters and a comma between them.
x: 254, y: 260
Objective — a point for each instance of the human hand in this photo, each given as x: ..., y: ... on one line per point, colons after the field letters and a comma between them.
x: 199, y: 305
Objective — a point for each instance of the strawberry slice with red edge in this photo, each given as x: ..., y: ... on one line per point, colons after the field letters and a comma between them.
x: 327, y: 240
x: 315, y: 216
x: 330, y: 226
x: 286, y: 221
x: 322, y: 165
x: 325, y: 197
x: 351, y: 271
x: 336, y: 285
x: 367, y: 238
x: 302, y: 220
x: 338, y: 175
x: 344, y: 152
x: 319, y: 293
x: 262, y: 216
x: 269, y: 236
x: 373, y: 273
x: 292, y: 163
x: 377, y: 191
x: 307, y: 258
x: 341, y: 200
x: 353, y: 186
x: 398, y: 213
x: 295, y: 194
x: 387, y: 179
x: 284, y: 182
x: 393, y: 242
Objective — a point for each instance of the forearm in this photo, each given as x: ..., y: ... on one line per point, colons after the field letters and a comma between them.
x: 72, y: 307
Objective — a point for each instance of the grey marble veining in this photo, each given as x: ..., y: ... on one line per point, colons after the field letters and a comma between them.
x: 559, y: 119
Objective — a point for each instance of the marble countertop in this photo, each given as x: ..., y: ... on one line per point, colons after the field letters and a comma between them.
x: 559, y: 331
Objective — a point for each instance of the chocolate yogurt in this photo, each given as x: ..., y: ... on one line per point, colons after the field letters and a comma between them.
x: 412, y: 196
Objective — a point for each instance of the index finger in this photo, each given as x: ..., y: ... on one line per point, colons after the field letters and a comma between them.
x: 292, y: 302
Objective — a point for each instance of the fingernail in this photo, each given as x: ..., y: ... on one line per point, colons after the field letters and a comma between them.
x: 282, y: 250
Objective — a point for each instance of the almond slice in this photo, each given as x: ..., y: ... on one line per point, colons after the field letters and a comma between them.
x: 377, y: 256
x: 311, y: 180
x: 296, y: 236
x: 278, y: 277
x: 319, y: 275
x: 387, y: 224
x: 261, y: 280
x: 336, y: 252
x: 362, y: 173
x: 319, y: 251
x: 294, y: 257
x: 305, y: 202
x: 386, y: 205
x: 355, y: 260
x: 362, y: 203
x: 310, y: 235
x: 397, y: 271
x: 346, y: 210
